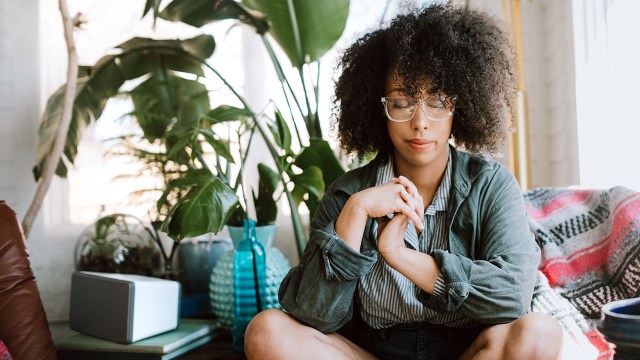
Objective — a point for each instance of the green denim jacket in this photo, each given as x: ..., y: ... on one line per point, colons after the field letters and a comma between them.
x: 489, y: 271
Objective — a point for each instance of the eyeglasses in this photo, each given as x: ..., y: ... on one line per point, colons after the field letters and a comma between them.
x: 403, y: 108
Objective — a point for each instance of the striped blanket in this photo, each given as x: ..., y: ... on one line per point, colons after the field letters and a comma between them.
x: 590, y: 241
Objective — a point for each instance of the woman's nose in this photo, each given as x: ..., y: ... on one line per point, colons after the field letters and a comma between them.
x: 420, y: 121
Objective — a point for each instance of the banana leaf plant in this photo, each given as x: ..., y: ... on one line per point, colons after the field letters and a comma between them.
x: 160, y: 61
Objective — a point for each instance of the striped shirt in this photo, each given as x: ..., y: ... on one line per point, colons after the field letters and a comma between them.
x: 388, y: 297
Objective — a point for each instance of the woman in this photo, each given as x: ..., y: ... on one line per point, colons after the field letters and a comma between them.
x: 427, y: 248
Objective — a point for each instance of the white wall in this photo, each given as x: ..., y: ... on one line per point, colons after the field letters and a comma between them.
x: 582, y: 76
x: 607, y: 79
x: 19, y: 99
x: 547, y: 36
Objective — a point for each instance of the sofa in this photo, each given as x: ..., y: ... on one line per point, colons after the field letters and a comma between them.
x: 24, y: 329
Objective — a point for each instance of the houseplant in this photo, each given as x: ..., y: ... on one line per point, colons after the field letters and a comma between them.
x: 118, y: 243
x: 304, y: 30
x: 161, y: 105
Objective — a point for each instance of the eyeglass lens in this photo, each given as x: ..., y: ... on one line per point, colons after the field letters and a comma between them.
x: 403, y: 108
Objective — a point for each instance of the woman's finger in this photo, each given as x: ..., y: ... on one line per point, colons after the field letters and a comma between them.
x: 412, y: 214
x: 415, y: 202
x: 408, y: 184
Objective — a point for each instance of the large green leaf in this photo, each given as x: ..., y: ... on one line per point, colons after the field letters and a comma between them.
x: 201, y: 46
x: 226, y: 113
x: 165, y: 97
x: 265, y: 205
x: 308, y: 183
x: 281, y: 134
x: 201, y: 12
x: 319, y: 154
x: 319, y: 25
x: 138, y: 57
x: 205, y: 208
x: 87, y: 107
x: 220, y: 147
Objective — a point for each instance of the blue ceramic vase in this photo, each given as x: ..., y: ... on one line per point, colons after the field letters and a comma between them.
x: 221, y: 286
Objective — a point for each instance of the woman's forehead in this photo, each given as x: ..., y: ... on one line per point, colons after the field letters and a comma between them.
x: 395, y: 83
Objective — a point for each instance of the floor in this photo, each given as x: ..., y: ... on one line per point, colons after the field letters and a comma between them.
x: 219, y: 348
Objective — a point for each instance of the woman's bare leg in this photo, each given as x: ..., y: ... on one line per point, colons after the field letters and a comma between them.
x: 273, y: 334
x: 534, y: 336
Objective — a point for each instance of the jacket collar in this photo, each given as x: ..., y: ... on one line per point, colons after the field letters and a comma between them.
x: 466, y: 169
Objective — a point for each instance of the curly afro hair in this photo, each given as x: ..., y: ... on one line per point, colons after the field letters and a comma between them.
x: 456, y: 51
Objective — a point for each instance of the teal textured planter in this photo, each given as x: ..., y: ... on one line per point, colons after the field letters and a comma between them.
x: 221, y: 284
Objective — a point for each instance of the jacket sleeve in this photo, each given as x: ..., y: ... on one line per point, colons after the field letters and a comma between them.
x: 319, y: 290
x: 496, y: 284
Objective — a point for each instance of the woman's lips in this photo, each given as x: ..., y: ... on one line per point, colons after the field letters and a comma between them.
x: 419, y: 144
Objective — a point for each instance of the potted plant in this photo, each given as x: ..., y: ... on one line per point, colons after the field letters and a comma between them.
x: 295, y: 28
x: 168, y: 105
x: 117, y: 243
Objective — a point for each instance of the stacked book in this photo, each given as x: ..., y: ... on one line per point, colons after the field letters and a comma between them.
x: 190, y: 334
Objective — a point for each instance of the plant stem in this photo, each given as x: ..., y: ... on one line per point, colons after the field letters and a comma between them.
x: 240, y: 179
x: 284, y: 81
x: 301, y: 240
x: 316, y: 86
x: 311, y: 118
x: 63, y: 128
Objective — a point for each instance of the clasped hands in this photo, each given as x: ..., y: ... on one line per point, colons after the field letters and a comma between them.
x: 399, y: 197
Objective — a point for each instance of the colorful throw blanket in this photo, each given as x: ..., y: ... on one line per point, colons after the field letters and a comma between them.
x: 590, y: 241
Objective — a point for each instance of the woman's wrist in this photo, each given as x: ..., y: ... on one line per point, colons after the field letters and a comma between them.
x: 418, y: 267
x: 351, y: 222
x: 394, y: 256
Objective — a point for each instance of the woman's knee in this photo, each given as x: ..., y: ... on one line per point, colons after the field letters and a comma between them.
x: 537, y: 325
x: 265, y: 324
x: 537, y: 335
x: 266, y: 329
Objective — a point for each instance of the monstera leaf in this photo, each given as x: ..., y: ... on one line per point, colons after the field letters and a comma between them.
x: 206, y: 207
x: 136, y: 57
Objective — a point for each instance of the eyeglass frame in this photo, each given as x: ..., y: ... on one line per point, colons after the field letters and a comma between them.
x: 450, y: 99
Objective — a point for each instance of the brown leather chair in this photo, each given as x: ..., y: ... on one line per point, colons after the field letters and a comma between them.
x: 23, y: 323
